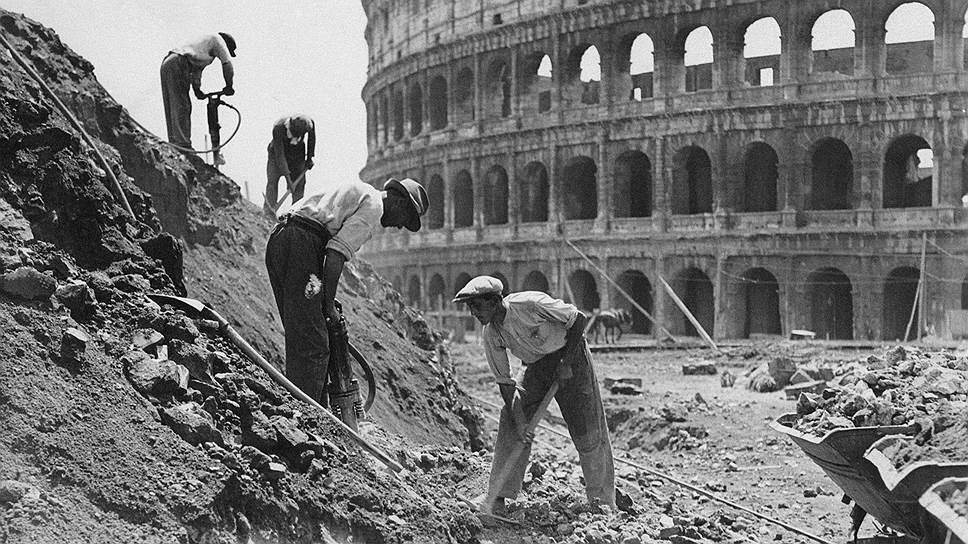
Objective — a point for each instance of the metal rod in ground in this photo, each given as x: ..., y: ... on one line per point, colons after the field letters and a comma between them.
x: 676, y: 481
x: 918, y: 293
x: 620, y: 290
x: 692, y: 319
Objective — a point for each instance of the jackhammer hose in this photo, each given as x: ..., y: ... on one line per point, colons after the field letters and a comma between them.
x: 115, y: 184
x: 238, y: 125
x: 367, y: 373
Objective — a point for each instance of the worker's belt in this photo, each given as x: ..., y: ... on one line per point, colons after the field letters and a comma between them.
x: 307, y: 225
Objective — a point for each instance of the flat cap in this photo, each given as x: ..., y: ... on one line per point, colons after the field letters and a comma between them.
x: 479, y: 287
x: 414, y: 193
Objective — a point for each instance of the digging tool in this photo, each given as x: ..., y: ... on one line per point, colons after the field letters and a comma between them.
x: 199, y: 308
x: 344, y: 389
x: 528, y: 435
x: 276, y: 206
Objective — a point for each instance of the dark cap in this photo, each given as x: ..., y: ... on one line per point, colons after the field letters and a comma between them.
x: 229, y: 42
x: 414, y: 193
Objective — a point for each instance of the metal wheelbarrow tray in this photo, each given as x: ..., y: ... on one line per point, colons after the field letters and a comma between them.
x: 944, y: 525
x: 840, y: 453
x: 910, y: 481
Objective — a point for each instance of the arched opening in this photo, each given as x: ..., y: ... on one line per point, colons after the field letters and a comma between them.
x: 833, y: 175
x: 759, y: 178
x: 964, y: 294
x: 633, y: 185
x: 397, y: 115
x: 373, y: 122
x: 536, y: 83
x: 413, y: 291
x: 584, y: 290
x: 496, y: 196
x: 698, y: 59
x: 463, y: 200
x: 497, y: 90
x: 504, y: 282
x: 535, y: 281
x: 831, y: 304
x: 590, y: 75
x: 832, y: 44
x: 534, y: 193
x: 760, y: 296
x: 692, y: 186
x: 436, y: 293
x: 397, y: 283
x: 416, y: 109
x: 761, y: 52
x: 909, y: 39
x: 464, y: 95
x: 642, y: 67
x: 438, y: 103
x: 908, y: 173
x: 384, y: 119
x: 637, y: 285
x: 435, y: 194
x: 900, y: 288
x: 461, y: 281
x: 580, y: 188
x: 696, y: 291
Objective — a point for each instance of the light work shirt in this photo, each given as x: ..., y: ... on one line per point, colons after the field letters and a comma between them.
x: 534, y: 326
x: 349, y: 211
x: 202, y: 51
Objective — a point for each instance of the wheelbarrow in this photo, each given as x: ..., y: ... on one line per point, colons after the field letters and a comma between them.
x: 944, y: 525
x: 840, y: 453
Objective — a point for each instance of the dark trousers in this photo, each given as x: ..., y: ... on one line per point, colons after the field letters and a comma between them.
x: 176, y: 81
x: 294, y: 256
x: 274, y: 171
x: 581, y: 407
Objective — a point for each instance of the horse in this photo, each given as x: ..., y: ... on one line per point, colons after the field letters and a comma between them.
x: 610, y: 321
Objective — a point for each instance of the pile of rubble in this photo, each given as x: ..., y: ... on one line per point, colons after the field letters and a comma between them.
x: 906, y: 386
x: 958, y: 501
x: 664, y: 428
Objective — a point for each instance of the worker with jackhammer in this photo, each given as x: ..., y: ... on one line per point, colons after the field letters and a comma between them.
x: 181, y: 70
x: 305, y: 256
x: 291, y: 153
x: 548, y: 336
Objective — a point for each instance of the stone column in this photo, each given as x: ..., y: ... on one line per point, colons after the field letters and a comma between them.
x: 514, y: 197
x: 478, y: 114
x: 554, y: 186
x: 869, y: 49
x: 720, y: 305
x: 603, y: 181
x: 660, y: 186
x: 949, y: 185
x: 448, y: 198
x: 660, y: 299
x: 606, y: 55
x: 727, y: 60
x: 477, y: 182
x: 515, y: 103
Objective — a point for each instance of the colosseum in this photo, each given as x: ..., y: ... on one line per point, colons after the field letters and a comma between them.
x: 782, y: 165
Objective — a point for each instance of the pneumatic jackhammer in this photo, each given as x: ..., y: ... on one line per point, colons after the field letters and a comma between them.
x: 343, y: 388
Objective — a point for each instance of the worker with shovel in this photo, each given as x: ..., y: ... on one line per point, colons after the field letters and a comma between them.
x: 305, y: 256
x: 548, y: 335
x: 291, y: 152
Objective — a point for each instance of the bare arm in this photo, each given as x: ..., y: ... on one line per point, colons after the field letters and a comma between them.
x: 228, y: 73
x: 332, y: 270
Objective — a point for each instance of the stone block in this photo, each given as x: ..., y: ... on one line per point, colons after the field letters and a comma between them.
x: 28, y: 283
x: 192, y: 423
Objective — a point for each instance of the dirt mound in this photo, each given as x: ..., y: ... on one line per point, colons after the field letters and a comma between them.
x: 122, y: 421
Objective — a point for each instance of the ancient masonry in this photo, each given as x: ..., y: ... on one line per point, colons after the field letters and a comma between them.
x: 777, y: 162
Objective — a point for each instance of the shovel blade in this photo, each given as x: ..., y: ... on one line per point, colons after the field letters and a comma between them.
x: 185, y: 304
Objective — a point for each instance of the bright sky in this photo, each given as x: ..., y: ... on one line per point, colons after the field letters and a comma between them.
x: 294, y: 56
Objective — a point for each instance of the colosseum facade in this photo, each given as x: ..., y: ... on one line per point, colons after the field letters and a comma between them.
x: 780, y: 164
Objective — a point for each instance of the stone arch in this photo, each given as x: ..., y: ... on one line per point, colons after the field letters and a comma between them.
x: 416, y: 109
x: 698, y: 59
x: 633, y: 185
x: 832, y: 43
x: 463, y: 199
x: 460, y: 281
x: 692, y: 187
x: 436, y: 292
x: 496, y: 196
x: 435, y: 194
x: 535, y: 281
x: 829, y: 294
x: 384, y: 118
x: 909, y: 39
x: 585, y: 290
x: 642, y: 67
x: 504, y: 282
x: 534, y: 193
x: 832, y: 168
x: 413, y: 291
x: 760, y: 175
x: 583, y: 74
x: 464, y: 95
x: 636, y: 284
x: 692, y: 285
x: 900, y: 289
x: 762, y: 47
x: 497, y: 90
x: 536, y: 83
x: 579, y: 188
x: 760, y: 301
x: 438, y: 103
x: 908, y: 173
x: 397, y: 115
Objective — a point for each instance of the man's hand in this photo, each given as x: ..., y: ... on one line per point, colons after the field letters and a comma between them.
x: 199, y: 94
x: 289, y: 182
x: 309, y: 164
x: 330, y: 312
x: 228, y: 90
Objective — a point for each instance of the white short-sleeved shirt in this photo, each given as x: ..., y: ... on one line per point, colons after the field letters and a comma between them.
x: 349, y: 211
x: 534, y: 326
x: 203, y: 50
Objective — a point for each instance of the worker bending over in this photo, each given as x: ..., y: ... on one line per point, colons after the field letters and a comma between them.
x: 305, y: 256
x: 548, y: 335
x: 181, y: 69
x: 290, y: 155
